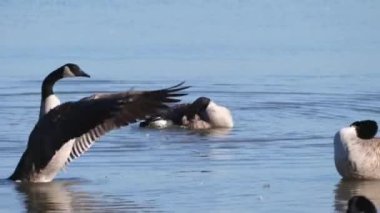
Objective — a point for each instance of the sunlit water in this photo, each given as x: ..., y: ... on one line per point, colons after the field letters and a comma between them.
x: 292, y: 74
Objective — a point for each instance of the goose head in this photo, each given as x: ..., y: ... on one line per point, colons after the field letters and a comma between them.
x: 365, y: 129
x: 72, y: 70
x: 65, y: 71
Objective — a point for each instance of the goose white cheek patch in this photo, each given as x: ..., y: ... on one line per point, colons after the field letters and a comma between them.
x: 67, y: 72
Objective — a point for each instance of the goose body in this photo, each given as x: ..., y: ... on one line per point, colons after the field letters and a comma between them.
x: 66, y: 131
x: 357, y: 151
x: 203, y: 113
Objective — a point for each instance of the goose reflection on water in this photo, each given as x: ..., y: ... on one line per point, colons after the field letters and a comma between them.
x: 64, y: 196
x: 346, y: 189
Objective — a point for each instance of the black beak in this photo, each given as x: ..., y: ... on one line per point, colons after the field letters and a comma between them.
x: 83, y: 74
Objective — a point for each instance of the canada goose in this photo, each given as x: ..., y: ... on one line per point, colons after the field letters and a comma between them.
x: 201, y: 114
x: 48, y: 99
x: 69, y: 129
x: 357, y: 151
x: 360, y: 204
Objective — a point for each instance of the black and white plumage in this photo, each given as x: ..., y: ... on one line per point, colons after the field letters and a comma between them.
x: 357, y: 151
x: 360, y: 204
x: 203, y: 113
x: 48, y: 99
x: 69, y: 129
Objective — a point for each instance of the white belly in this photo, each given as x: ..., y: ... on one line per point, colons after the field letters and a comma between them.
x: 55, y: 164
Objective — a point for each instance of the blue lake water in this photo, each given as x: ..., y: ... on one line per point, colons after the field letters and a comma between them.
x: 292, y: 72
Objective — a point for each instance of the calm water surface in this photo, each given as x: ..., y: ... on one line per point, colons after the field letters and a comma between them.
x: 291, y: 73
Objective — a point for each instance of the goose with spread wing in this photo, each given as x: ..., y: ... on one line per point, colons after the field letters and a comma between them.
x: 70, y: 129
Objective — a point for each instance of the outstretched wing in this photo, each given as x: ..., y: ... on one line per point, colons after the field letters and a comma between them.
x: 88, y: 119
x: 143, y: 106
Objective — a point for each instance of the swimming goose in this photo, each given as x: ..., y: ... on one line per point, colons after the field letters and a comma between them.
x: 48, y: 99
x: 69, y: 129
x: 201, y: 114
x: 360, y: 204
x: 357, y: 151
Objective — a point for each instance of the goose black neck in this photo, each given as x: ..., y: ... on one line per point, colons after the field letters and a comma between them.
x: 197, y: 106
x: 48, y: 83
